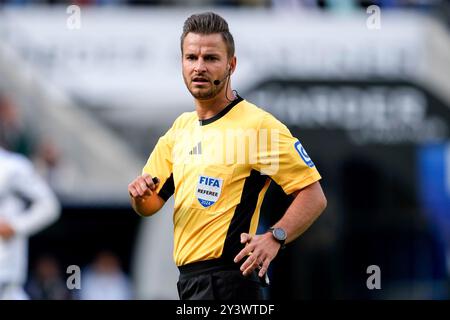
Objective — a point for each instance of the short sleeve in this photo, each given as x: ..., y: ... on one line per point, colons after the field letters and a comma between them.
x: 282, y: 157
x: 159, y: 165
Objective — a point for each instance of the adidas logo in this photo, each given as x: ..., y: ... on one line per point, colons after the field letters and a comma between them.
x: 197, y: 149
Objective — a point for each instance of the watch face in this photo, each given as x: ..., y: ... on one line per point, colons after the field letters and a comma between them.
x: 279, y: 234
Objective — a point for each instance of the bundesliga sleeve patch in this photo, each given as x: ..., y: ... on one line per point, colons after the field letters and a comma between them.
x: 302, y: 152
x: 208, y: 190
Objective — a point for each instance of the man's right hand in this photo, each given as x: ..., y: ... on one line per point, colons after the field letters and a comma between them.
x: 143, y: 186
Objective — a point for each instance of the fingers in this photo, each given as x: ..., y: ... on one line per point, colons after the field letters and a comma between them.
x: 249, y: 265
x: 132, y: 191
x: 263, y: 269
x: 150, y: 182
x: 143, y: 186
x: 259, y: 255
x: 254, y: 261
x: 245, y: 237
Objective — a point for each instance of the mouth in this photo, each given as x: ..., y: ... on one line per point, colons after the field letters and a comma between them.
x: 200, y: 80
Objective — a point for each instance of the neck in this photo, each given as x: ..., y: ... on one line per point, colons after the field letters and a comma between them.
x: 209, y: 108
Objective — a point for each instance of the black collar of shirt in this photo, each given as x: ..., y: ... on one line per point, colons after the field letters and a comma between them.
x: 221, y: 113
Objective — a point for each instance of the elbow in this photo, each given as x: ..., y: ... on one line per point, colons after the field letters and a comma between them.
x: 56, y: 214
x: 53, y: 208
x: 143, y: 211
x: 323, y: 202
x: 147, y: 207
x: 320, y: 198
x: 57, y: 208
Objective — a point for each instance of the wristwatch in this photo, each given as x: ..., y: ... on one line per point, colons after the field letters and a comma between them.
x: 279, y: 234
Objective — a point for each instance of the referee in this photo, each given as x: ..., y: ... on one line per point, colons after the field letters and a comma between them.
x: 218, y: 162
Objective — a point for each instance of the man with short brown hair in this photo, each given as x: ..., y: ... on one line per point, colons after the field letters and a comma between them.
x: 218, y: 193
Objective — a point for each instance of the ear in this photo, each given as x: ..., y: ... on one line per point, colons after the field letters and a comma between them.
x: 232, y: 65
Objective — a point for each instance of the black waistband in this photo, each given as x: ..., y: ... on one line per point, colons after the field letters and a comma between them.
x: 208, y: 266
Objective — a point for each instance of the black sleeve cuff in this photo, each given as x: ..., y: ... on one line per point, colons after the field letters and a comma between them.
x: 167, y: 189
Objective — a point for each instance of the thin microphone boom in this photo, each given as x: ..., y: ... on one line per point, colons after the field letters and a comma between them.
x: 217, y: 82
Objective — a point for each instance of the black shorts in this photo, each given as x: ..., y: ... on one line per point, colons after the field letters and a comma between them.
x: 216, y: 280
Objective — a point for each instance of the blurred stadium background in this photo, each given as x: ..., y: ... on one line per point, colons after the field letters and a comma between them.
x: 372, y: 107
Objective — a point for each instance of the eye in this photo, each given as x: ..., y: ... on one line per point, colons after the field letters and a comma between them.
x: 211, y: 58
x: 190, y: 57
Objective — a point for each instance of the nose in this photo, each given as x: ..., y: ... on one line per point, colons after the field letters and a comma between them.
x: 200, y: 66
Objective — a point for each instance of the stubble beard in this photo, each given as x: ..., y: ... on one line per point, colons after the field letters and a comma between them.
x: 206, y: 94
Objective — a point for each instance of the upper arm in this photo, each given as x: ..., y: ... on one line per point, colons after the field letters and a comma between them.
x: 285, y: 159
x: 295, y: 193
x: 29, y: 184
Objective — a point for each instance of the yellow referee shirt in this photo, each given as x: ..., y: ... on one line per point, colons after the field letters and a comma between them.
x: 219, y: 170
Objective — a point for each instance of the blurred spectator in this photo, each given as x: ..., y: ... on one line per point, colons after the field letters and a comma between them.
x: 13, y: 134
x: 15, y: 137
x: 47, y: 160
x: 27, y: 205
x: 46, y: 282
x: 105, y: 280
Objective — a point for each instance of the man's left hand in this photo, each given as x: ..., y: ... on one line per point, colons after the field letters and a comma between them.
x: 260, y: 249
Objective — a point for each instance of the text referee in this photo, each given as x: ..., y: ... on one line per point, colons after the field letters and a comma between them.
x: 218, y: 162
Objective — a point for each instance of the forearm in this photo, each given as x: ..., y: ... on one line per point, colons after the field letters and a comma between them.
x: 44, y: 206
x: 304, y: 210
x: 147, y: 206
x: 39, y: 215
